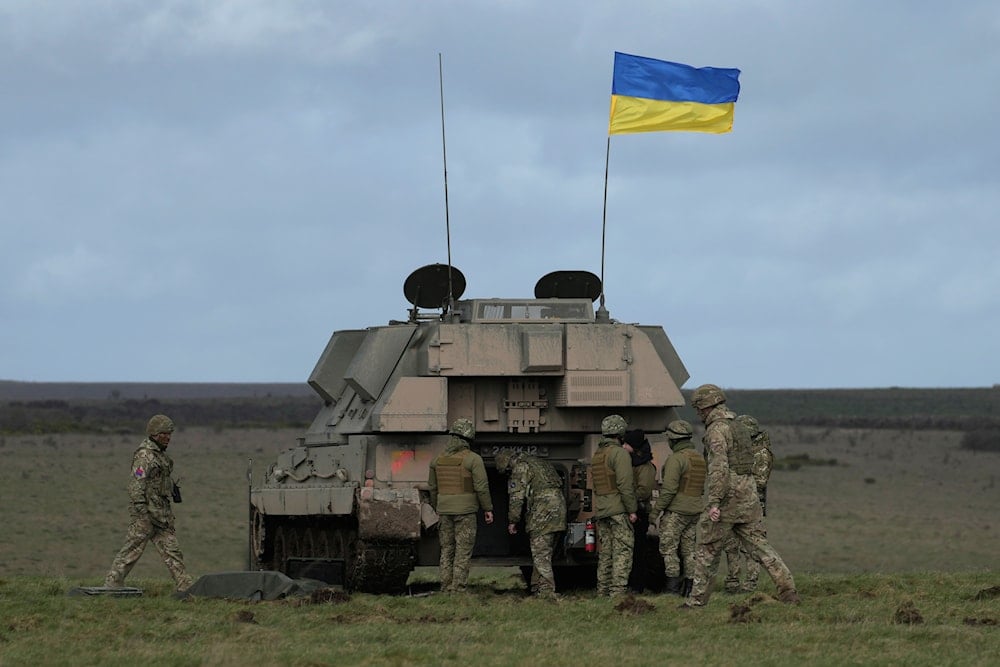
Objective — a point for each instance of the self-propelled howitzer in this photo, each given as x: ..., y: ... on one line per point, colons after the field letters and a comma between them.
x: 350, y: 501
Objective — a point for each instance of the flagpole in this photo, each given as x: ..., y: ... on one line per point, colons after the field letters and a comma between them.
x: 602, y: 313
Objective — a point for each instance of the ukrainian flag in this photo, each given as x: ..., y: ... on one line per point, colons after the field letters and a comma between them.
x: 650, y: 95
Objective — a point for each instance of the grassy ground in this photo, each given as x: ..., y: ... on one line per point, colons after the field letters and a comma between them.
x: 916, y: 619
x: 894, y: 501
x: 891, y: 536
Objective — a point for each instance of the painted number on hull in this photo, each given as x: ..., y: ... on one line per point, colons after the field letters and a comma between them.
x: 531, y: 450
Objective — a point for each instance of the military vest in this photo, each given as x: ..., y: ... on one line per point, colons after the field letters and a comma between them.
x: 692, y: 482
x: 741, y: 456
x: 453, y: 478
x: 605, y: 482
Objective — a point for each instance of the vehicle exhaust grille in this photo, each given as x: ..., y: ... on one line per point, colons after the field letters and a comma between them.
x: 593, y: 388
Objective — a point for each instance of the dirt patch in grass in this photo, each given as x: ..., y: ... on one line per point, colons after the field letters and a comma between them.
x: 980, y: 621
x: 635, y: 606
x: 244, y: 616
x: 988, y: 593
x: 742, y: 613
x: 907, y: 614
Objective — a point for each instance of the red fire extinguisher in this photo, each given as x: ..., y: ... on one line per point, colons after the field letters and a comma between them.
x: 589, y: 542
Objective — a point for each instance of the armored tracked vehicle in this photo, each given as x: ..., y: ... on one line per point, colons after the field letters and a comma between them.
x: 533, y: 374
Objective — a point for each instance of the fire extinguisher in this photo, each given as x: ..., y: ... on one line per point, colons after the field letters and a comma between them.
x: 589, y: 543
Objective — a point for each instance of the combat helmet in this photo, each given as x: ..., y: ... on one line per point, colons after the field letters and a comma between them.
x: 463, y: 428
x: 707, y: 396
x: 679, y: 430
x: 159, y: 424
x: 750, y: 423
x: 613, y: 425
x: 504, y: 460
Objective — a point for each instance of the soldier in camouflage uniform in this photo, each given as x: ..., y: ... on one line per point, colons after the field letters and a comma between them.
x: 536, y: 486
x: 152, y: 520
x: 459, y: 489
x: 615, y: 506
x: 733, y: 506
x: 680, y: 502
x: 644, y: 474
x: 743, y: 569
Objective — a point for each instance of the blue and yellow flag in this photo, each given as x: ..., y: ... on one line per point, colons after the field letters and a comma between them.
x: 650, y: 95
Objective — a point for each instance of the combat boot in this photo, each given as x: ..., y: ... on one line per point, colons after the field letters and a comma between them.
x: 789, y: 597
x: 688, y: 585
x: 184, y: 582
x: 674, y: 586
x: 617, y: 594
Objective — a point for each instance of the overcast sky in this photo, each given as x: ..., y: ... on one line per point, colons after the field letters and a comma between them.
x: 198, y: 190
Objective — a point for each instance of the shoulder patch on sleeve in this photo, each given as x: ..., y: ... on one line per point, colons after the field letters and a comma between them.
x: 139, y: 472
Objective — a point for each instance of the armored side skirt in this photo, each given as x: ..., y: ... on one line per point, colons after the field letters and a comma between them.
x: 383, y: 514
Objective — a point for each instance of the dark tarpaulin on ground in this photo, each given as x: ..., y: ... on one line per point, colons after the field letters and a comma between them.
x: 262, y: 585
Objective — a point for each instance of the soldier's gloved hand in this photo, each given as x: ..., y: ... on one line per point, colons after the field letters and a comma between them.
x: 512, y: 528
x: 488, y: 516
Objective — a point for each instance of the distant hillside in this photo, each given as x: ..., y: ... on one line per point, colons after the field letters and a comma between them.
x: 893, y: 407
x: 27, y: 407
x: 112, y: 407
x: 71, y: 391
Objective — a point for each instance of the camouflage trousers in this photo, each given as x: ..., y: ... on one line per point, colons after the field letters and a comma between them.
x: 615, y: 542
x: 711, y: 541
x: 742, y: 570
x: 677, y: 543
x: 457, y: 533
x: 543, y: 581
x: 141, y: 531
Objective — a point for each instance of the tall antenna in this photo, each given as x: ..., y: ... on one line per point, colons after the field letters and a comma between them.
x: 444, y: 155
x: 602, y: 312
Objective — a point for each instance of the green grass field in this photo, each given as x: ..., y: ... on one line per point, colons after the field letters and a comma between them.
x: 870, y: 521
x: 915, y: 619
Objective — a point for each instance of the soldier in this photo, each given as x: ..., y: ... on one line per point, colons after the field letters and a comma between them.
x: 536, y: 483
x: 459, y: 489
x: 733, y: 506
x: 644, y: 475
x: 615, y: 507
x: 680, y: 502
x: 740, y: 564
x: 150, y: 491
